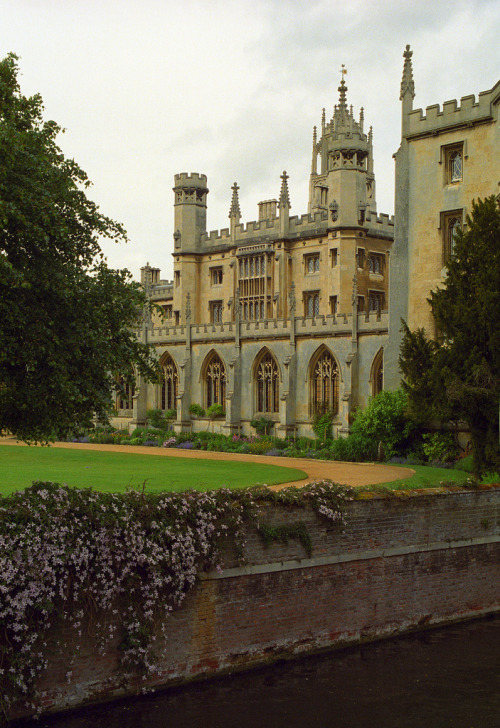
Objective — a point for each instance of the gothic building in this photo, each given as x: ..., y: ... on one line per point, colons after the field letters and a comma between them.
x: 288, y: 316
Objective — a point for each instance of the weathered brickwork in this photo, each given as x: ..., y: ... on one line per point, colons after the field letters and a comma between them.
x: 403, y: 563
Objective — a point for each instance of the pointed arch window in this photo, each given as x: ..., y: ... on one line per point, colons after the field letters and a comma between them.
x: 378, y: 373
x: 325, y: 384
x: 125, y: 396
x: 215, y: 382
x: 169, y: 385
x: 267, y: 385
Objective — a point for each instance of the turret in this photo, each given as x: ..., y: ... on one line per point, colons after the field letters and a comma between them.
x: 345, y: 182
x: 190, y: 209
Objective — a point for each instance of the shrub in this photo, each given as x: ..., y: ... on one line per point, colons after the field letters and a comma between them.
x: 262, y: 425
x: 355, y: 447
x: 215, y: 410
x: 260, y: 447
x: 385, y: 420
x: 322, y: 424
x: 438, y: 446
x: 156, y: 419
x: 196, y: 409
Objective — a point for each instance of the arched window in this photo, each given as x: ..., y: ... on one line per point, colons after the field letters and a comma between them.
x: 125, y: 396
x: 169, y: 385
x: 325, y: 384
x: 377, y: 377
x: 267, y: 384
x: 215, y: 381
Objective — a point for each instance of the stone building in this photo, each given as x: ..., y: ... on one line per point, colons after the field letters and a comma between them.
x: 448, y: 157
x: 288, y: 316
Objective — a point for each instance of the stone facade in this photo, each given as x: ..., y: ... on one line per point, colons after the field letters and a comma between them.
x: 288, y: 316
x: 448, y: 157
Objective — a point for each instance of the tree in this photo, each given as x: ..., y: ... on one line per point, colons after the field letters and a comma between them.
x: 66, y: 320
x: 458, y: 377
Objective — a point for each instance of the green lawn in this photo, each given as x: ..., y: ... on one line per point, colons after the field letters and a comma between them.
x: 115, y: 472
x: 425, y: 477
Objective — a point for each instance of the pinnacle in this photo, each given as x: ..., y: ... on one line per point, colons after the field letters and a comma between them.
x: 234, y: 210
x: 284, y: 194
x: 407, y: 83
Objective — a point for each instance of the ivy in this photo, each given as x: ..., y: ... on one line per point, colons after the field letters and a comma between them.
x: 285, y: 532
x: 70, y: 555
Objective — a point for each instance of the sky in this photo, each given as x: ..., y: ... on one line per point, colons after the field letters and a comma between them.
x: 232, y: 89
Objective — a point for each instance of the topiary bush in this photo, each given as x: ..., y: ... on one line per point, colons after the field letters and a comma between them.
x: 385, y: 420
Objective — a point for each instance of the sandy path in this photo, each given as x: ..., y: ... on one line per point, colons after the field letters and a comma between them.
x: 354, y: 474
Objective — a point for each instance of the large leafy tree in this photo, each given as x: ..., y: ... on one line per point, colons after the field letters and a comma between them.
x: 458, y: 377
x: 66, y: 320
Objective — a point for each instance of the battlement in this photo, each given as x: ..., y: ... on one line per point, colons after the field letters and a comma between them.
x: 191, y: 179
x: 382, y: 223
x: 451, y: 115
x: 323, y: 326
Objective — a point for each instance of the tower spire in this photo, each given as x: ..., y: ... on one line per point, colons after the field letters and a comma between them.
x: 407, y: 84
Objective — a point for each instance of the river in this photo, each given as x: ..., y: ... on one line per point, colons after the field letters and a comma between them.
x: 446, y: 678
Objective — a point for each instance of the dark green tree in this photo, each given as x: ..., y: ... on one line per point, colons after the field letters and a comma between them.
x: 458, y: 377
x: 66, y: 319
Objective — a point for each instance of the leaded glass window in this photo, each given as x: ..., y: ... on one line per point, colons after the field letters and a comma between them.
x: 268, y: 387
x: 215, y: 381
x: 170, y: 381
x: 325, y: 384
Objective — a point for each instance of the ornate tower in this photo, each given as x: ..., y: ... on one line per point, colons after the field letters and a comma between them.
x: 345, y: 183
x: 190, y: 210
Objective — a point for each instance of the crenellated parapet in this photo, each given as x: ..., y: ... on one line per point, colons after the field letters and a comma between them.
x: 329, y: 326
x: 452, y: 114
x: 381, y: 225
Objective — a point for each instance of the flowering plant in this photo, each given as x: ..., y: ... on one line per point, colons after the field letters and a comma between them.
x: 66, y: 554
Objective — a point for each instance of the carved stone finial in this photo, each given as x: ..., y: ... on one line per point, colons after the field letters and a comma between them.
x: 407, y: 83
x: 234, y: 210
x: 342, y: 97
x: 188, y: 307
x: 315, y: 136
x: 284, y: 194
x: 334, y: 210
x: 291, y: 298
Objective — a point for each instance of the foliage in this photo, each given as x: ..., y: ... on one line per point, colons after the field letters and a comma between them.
x: 170, y: 414
x: 322, y: 424
x: 262, y: 425
x: 215, y: 410
x: 66, y: 319
x: 385, y: 420
x: 354, y: 448
x: 438, y: 446
x: 458, y: 378
x: 260, y: 447
x: 285, y: 532
x: 141, y: 551
x: 197, y: 410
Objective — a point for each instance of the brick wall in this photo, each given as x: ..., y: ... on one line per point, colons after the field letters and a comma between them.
x: 403, y: 563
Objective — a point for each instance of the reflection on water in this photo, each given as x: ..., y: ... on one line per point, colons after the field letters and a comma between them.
x: 448, y: 678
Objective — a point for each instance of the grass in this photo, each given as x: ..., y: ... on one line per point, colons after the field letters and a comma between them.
x: 116, y: 472
x: 428, y: 477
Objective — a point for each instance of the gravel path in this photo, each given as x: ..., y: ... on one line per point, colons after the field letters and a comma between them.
x: 354, y: 474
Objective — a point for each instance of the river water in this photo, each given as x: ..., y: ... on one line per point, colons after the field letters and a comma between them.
x: 446, y: 678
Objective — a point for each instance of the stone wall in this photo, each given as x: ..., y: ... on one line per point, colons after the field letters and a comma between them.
x: 404, y: 563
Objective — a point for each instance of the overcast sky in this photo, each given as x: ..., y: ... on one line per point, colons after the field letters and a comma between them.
x: 232, y: 89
